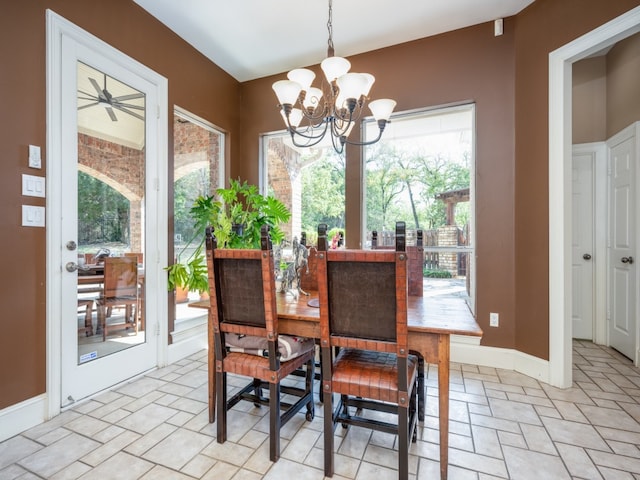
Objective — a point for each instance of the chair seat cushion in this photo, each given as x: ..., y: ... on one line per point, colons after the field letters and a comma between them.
x: 289, y: 346
x: 370, y: 374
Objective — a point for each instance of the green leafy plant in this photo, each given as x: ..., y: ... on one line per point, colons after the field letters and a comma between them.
x: 436, y: 273
x: 236, y: 214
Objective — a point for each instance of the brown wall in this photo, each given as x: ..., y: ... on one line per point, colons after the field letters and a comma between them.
x: 194, y: 84
x: 542, y: 28
x: 623, y: 85
x: 606, y: 92
x: 589, y: 100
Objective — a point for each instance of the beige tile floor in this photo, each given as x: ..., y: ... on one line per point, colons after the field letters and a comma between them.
x: 503, y: 425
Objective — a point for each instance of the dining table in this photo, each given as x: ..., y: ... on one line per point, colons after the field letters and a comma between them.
x: 430, y: 326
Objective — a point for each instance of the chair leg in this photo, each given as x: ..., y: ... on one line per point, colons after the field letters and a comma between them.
x: 309, y: 380
x: 102, y: 321
x: 88, y: 320
x: 221, y: 399
x: 328, y: 434
x: 403, y: 443
x: 274, y: 421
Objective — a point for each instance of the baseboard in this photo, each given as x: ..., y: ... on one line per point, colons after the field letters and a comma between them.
x: 505, y: 358
x: 22, y: 416
x: 187, y: 347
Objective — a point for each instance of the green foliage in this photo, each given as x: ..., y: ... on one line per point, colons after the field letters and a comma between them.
x: 402, y: 183
x: 436, y: 273
x: 239, y: 205
x: 103, y: 214
x: 323, y: 193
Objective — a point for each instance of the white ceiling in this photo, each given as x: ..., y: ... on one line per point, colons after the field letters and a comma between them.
x: 251, y: 39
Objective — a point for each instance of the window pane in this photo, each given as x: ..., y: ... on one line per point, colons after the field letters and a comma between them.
x: 309, y: 181
x: 198, y: 170
x: 421, y: 173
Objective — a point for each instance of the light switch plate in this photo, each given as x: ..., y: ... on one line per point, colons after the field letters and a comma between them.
x: 32, y: 216
x: 33, y: 186
x: 35, y: 158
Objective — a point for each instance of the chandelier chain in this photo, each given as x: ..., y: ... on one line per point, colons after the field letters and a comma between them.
x: 330, y: 49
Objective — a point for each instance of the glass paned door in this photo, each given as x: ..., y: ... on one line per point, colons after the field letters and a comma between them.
x: 106, y: 184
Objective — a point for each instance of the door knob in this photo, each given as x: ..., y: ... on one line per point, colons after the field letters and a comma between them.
x: 73, y: 266
x: 586, y: 256
x: 628, y: 260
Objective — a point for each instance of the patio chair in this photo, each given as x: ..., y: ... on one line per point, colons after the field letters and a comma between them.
x: 121, y: 289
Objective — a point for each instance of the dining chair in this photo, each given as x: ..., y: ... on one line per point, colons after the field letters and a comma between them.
x: 244, y: 338
x: 363, y: 313
x: 121, y: 289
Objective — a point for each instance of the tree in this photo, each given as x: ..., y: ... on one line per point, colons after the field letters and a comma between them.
x: 323, y: 193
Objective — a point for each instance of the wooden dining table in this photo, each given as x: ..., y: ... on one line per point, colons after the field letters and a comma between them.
x: 430, y: 325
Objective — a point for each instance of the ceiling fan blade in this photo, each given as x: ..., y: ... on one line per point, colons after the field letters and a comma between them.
x: 93, y: 104
x: 131, y: 96
x: 111, y: 114
x: 96, y: 86
x: 133, y: 114
x: 127, y: 105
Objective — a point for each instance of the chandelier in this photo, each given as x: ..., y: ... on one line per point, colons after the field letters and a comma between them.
x: 309, y: 113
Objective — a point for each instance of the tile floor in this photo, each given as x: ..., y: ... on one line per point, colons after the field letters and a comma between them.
x: 503, y: 425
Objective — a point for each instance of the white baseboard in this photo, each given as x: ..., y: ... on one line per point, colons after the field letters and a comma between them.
x: 505, y: 358
x: 22, y: 416
x: 184, y: 348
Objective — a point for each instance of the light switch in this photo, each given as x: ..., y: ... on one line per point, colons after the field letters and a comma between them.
x: 35, y: 158
x: 33, y: 186
x: 32, y: 216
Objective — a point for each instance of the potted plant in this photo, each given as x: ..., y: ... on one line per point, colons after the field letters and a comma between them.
x: 236, y: 214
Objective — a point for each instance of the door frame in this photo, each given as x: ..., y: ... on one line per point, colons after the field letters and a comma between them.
x: 58, y: 29
x: 560, y: 146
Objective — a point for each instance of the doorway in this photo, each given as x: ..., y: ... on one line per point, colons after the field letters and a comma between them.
x: 98, y: 97
x: 560, y: 228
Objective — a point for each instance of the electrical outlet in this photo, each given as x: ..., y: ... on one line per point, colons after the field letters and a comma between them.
x: 494, y: 319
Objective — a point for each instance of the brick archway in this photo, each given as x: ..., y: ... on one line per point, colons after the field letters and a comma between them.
x: 123, y: 169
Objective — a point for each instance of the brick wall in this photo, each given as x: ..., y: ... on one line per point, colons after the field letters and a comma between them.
x: 123, y: 169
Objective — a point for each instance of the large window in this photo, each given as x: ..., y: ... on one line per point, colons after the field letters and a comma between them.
x: 421, y: 172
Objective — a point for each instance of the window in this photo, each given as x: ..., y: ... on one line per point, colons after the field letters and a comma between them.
x: 421, y: 172
x: 198, y: 170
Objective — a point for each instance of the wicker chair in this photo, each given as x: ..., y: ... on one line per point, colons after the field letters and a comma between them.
x: 244, y: 337
x: 363, y: 312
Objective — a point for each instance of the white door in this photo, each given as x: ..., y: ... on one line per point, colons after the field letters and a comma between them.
x: 582, y: 245
x: 622, y: 269
x: 107, y: 190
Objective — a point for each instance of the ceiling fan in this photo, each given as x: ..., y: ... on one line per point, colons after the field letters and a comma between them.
x: 105, y: 99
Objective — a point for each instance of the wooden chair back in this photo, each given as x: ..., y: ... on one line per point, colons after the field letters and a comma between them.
x: 138, y: 255
x: 242, y: 292
x: 120, y: 277
x: 363, y: 296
